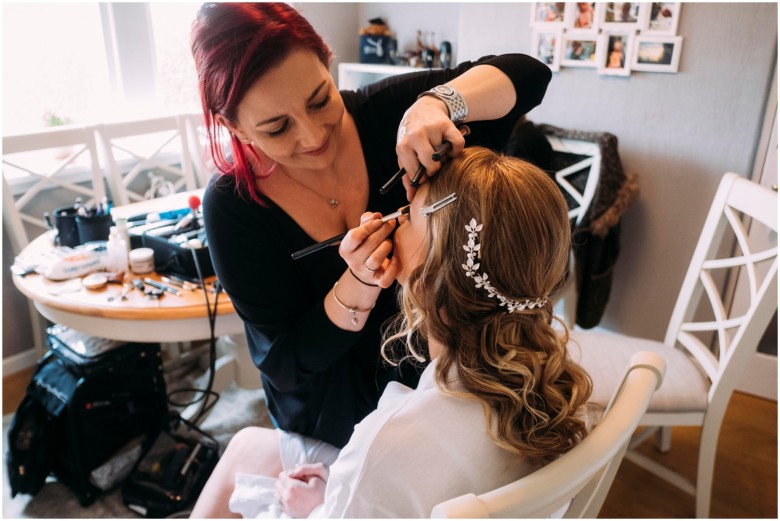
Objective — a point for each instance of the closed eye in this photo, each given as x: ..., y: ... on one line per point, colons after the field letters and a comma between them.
x: 322, y: 103
x: 281, y: 130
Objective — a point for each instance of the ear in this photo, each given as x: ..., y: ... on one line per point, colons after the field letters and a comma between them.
x: 225, y: 122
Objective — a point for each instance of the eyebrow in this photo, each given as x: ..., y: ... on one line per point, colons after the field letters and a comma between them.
x: 308, y: 100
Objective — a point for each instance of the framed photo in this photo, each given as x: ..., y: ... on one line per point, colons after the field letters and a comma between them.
x: 613, y: 56
x: 623, y: 16
x: 547, y: 48
x: 656, y: 53
x: 662, y: 19
x: 579, y: 51
x: 583, y: 17
x: 548, y: 15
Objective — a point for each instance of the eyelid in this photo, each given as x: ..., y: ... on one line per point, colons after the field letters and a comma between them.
x: 280, y: 130
x: 322, y: 103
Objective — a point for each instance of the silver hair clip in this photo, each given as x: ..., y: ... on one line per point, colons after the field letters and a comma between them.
x: 438, y: 205
x: 471, y: 267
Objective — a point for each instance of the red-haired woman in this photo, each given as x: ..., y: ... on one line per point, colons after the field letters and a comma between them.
x: 305, y: 163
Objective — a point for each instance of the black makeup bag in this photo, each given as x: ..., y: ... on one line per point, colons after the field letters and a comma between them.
x: 90, y: 410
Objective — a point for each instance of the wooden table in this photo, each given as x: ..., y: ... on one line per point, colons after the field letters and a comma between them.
x: 170, y: 318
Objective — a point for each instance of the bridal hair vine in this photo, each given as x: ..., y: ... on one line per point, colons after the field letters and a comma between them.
x: 471, y: 267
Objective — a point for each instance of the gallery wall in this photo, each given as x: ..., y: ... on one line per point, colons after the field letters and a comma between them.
x: 679, y: 132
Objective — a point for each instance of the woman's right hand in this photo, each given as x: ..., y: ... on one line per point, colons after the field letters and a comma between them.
x: 367, y: 248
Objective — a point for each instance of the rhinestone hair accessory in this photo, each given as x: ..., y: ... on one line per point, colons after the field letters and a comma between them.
x: 472, y: 265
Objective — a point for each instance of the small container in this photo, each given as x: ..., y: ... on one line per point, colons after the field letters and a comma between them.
x: 142, y: 261
x: 65, y: 222
x: 94, y: 228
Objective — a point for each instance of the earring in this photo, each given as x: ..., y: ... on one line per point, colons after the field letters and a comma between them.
x: 246, y: 141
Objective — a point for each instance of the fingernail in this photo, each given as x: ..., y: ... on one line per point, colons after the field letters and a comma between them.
x: 376, y: 224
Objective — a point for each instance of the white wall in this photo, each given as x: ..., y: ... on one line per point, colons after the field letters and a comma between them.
x: 679, y: 132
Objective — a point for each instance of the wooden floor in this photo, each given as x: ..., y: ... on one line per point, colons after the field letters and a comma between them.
x: 745, y: 484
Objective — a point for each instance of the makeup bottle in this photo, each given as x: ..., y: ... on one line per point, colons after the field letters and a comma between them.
x: 116, y: 249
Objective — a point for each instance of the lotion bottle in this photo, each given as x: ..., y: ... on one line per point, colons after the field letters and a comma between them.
x: 121, y: 225
x: 116, y: 249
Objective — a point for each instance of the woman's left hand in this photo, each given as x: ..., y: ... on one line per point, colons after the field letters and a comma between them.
x: 301, y: 490
x: 425, y: 125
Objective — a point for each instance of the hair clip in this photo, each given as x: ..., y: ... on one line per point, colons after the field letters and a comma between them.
x: 438, y: 205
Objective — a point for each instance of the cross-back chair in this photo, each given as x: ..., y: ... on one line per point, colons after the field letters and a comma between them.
x: 64, y: 158
x: 199, y: 147
x: 578, y: 181
x: 587, y: 168
x: 576, y: 483
x: 156, y: 146
x: 707, y: 343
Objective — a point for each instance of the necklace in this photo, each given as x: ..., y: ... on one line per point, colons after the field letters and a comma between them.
x: 333, y: 202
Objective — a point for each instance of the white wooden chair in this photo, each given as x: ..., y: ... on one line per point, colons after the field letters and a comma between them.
x: 200, y: 149
x: 65, y: 158
x: 582, y: 477
x: 157, y: 145
x: 707, y: 345
x: 566, y: 306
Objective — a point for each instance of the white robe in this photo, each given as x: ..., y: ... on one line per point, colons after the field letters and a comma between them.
x: 419, y: 448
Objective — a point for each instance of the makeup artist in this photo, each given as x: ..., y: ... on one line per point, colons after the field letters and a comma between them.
x: 305, y: 163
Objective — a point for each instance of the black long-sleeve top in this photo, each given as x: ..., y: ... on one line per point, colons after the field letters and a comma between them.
x: 319, y: 379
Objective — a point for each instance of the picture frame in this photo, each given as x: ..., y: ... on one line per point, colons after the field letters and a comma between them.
x: 549, y: 15
x: 662, y: 18
x: 623, y: 16
x: 656, y: 53
x: 580, y: 50
x: 547, y: 47
x: 614, y: 51
x: 583, y: 17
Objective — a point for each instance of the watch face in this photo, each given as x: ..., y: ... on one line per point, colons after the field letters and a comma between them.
x: 444, y: 90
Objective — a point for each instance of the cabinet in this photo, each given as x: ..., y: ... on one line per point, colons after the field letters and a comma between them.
x: 354, y: 75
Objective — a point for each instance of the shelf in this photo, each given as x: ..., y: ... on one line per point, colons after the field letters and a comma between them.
x: 354, y: 75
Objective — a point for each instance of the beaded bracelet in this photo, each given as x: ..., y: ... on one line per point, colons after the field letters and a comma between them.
x: 352, y: 310
x: 358, y: 279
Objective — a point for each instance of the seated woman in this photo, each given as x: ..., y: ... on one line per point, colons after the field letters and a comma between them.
x: 501, y: 396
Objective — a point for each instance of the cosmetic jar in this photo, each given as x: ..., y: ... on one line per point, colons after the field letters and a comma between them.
x: 141, y: 260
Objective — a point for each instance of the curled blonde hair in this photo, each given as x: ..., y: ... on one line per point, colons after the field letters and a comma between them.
x: 516, y: 364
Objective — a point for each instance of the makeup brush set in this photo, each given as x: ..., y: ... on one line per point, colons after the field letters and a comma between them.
x: 174, y: 236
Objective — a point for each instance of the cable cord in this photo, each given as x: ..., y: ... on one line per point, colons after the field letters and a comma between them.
x: 207, y: 392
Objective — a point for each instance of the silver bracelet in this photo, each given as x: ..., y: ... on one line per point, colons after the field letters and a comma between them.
x: 456, y: 104
x: 352, y: 310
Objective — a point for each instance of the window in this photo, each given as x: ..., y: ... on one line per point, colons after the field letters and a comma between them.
x: 84, y: 63
x: 53, y: 73
x: 177, y: 79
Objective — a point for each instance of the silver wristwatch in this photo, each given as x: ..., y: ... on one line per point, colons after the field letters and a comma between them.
x: 452, y: 98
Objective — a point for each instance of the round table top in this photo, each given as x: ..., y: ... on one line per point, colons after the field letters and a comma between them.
x: 72, y: 296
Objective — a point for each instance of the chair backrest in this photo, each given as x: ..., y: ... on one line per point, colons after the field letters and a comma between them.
x: 582, y: 476
x: 697, y: 322
x: 580, y: 195
x: 159, y: 146
x: 63, y: 157
x: 199, y: 147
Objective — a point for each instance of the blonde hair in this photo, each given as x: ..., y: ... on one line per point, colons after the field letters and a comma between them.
x: 516, y: 364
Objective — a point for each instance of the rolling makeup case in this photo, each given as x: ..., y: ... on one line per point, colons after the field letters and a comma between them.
x: 92, y: 407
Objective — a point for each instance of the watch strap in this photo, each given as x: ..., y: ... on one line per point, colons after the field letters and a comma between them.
x: 456, y: 104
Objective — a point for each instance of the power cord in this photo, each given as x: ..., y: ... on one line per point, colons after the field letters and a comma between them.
x: 204, y: 395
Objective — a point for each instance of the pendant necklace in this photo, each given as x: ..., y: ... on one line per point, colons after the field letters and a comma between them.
x: 333, y: 202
